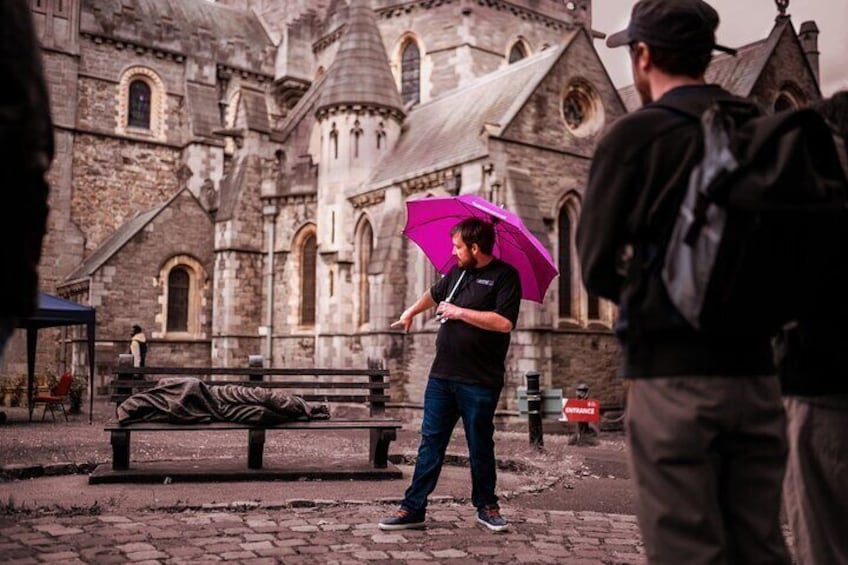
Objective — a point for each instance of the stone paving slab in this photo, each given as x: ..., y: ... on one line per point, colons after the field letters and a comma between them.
x: 337, y: 533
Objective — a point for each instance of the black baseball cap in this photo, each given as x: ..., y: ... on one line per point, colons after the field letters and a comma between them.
x: 678, y: 24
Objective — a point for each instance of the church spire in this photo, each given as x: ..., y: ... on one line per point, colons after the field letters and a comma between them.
x: 360, y: 73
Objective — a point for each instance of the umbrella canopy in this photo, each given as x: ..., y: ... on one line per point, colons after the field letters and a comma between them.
x: 430, y: 220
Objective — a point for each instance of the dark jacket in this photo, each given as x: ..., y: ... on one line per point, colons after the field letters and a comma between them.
x: 812, y: 354
x: 26, y: 150
x: 637, y: 181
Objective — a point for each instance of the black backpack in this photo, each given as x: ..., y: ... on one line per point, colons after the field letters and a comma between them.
x: 760, y: 236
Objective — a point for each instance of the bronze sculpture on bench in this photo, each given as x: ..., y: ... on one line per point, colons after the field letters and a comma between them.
x: 188, y: 400
x: 261, y: 399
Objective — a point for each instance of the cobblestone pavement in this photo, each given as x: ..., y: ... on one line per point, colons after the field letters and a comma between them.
x: 317, y: 532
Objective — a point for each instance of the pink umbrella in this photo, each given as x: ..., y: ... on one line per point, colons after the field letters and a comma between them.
x: 430, y: 220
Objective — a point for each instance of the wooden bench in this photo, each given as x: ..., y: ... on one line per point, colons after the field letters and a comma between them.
x: 326, y: 386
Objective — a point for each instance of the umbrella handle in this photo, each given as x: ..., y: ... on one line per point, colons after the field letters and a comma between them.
x: 455, y: 287
x: 452, y: 293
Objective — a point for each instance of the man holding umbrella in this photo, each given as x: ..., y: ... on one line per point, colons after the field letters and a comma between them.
x: 477, y: 306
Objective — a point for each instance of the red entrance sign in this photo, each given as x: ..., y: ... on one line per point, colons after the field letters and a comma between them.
x: 580, y: 410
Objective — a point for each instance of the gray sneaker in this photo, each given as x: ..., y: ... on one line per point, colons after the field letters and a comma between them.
x: 403, y: 520
x: 490, y: 516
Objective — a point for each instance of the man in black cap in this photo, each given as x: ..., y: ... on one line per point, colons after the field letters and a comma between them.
x: 704, y: 420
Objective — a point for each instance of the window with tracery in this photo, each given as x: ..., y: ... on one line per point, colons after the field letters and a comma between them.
x: 141, y: 104
x: 410, y: 72
x: 138, y: 105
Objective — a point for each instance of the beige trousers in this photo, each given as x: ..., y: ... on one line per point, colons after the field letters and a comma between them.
x: 816, y: 487
x: 708, y: 456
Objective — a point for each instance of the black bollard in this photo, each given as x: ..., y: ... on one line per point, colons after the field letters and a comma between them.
x: 534, y: 409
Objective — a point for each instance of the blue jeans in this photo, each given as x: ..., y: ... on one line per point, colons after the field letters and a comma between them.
x: 444, y: 403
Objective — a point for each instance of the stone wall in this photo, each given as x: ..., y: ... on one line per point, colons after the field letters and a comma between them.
x: 787, y: 69
x: 114, y: 179
x: 128, y: 287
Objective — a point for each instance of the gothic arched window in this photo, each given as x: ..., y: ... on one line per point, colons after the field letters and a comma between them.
x: 366, y: 244
x: 381, y: 135
x: 334, y: 139
x: 178, y: 295
x: 564, y: 260
x: 308, y: 265
x: 138, y: 115
x: 517, y: 52
x: 410, y: 73
x: 784, y: 102
x: 355, y: 134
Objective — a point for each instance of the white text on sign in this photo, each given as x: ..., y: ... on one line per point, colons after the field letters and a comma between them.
x: 580, y: 410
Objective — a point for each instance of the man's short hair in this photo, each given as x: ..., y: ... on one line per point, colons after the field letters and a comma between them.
x: 680, y: 62
x: 475, y: 230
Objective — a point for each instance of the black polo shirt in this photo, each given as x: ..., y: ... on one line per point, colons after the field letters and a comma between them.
x: 466, y: 353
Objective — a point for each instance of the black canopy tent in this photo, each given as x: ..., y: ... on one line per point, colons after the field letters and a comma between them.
x: 53, y: 311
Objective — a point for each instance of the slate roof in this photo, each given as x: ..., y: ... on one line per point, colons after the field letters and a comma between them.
x: 189, y: 27
x: 449, y: 130
x: 112, y: 244
x: 360, y: 73
x: 256, y: 110
x: 230, y: 187
x: 203, y: 109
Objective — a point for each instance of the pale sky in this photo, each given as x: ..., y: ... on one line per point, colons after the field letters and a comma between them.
x: 743, y: 21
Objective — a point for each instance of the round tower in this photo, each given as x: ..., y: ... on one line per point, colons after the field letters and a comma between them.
x: 359, y: 116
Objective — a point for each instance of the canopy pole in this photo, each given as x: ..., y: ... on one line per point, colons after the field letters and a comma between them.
x: 32, y: 341
x: 89, y: 334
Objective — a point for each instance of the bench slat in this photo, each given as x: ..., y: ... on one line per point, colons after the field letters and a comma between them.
x: 137, y: 383
x: 249, y: 371
x: 296, y: 425
x: 315, y: 398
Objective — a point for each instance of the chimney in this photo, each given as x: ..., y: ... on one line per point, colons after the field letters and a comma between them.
x: 809, y: 36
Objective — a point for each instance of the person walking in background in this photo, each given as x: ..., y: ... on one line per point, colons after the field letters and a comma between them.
x: 812, y: 362
x: 478, y: 303
x: 704, y: 419
x: 26, y: 152
x: 138, y: 346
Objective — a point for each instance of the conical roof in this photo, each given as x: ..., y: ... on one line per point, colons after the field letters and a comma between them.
x: 360, y: 73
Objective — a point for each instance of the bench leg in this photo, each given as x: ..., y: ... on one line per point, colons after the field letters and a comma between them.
x: 379, y: 452
x: 255, y: 447
x: 120, y: 450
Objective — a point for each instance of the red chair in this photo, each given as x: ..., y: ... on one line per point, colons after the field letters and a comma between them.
x: 57, y: 395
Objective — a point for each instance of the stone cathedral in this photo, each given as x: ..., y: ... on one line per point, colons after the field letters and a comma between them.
x: 232, y: 175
